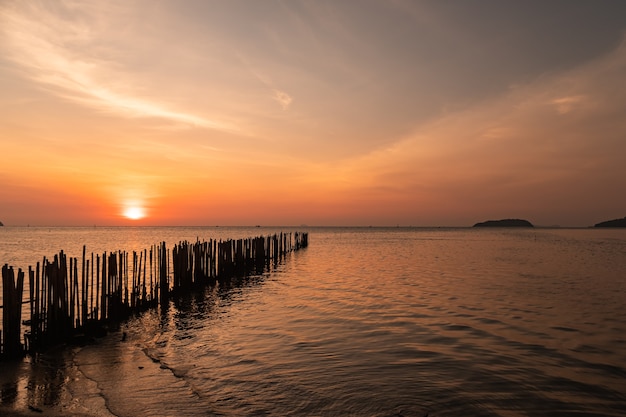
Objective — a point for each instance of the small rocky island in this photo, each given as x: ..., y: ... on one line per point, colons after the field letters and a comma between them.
x: 1, y: 224
x: 612, y: 223
x: 505, y: 223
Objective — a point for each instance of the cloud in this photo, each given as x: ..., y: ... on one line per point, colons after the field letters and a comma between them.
x: 566, y: 104
x: 280, y: 96
x: 64, y: 48
x: 283, y: 99
x: 555, y: 141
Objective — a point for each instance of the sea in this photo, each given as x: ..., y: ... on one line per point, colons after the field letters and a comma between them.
x: 384, y: 322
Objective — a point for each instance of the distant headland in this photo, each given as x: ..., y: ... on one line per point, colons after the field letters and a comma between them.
x: 612, y: 223
x: 1, y: 224
x: 505, y: 223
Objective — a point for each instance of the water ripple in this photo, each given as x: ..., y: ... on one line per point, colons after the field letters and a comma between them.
x: 395, y: 323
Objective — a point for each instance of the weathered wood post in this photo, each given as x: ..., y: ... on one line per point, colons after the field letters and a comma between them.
x: 58, y: 320
x: 259, y: 255
x: 104, y: 289
x: 62, y: 301
x: 85, y: 289
x: 163, y: 281
x: 11, y: 318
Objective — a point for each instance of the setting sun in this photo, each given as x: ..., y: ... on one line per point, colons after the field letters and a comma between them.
x: 134, y: 213
x: 324, y: 114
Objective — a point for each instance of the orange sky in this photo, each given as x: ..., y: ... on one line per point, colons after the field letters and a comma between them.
x: 312, y: 112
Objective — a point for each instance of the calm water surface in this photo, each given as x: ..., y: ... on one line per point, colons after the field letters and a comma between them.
x: 364, y: 322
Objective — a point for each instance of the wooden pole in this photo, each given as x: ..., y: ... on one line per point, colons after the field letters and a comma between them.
x: 12, y: 311
x: 61, y: 302
x: 84, y: 288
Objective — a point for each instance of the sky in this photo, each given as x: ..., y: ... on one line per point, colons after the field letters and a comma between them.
x: 325, y: 112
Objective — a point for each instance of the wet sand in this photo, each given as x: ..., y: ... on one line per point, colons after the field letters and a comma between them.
x: 49, y: 384
x: 136, y: 381
x: 113, y: 375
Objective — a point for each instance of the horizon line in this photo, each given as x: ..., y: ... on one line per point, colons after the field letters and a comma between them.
x: 364, y: 226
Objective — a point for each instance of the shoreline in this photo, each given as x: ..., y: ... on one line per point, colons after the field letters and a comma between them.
x: 50, y: 384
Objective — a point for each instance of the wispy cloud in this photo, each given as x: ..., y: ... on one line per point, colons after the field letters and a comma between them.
x: 565, y: 105
x: 283, y: 99
x: 57, y: 46
x: 557, y: 140
x: 280, y: 96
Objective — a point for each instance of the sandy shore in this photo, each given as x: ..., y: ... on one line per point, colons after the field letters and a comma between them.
x: 49, y: 384
x: 72, y: 381
x: 115, y: 376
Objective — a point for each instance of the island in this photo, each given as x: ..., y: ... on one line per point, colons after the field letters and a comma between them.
x: 612, y: 223
x: 1, y: 224
x: 505, y: 223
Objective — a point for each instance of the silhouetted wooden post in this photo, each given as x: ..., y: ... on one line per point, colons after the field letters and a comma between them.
x: 58, y: 322
x: 163, y: 283
x: 11, y: 316
x: 134, y: 281
x: 72, y: 293
x: 45, y: 296
x: 124, y: 279
x: 36, y: 298
x: 198, y: 262
x: 85, y: 289
x: 31, y: 290
x: 97, y: 308
x: 156, y: 273
x: 61, y: 301
x: 152, y: 295
x: 103, y: 289
x: 93, y: 311
x: 259, y: 253
x: 144, y: 258
x: 112, y: 286
x: 76, y: 311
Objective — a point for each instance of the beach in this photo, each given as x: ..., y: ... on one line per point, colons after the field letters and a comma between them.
x: 49, y: 384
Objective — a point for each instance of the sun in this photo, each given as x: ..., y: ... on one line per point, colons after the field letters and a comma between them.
x: 134, y: 213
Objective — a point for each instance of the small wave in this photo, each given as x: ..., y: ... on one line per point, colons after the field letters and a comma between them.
x: 564, y: 329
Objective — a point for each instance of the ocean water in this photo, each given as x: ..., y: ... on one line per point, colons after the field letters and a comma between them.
x: 363, y: 322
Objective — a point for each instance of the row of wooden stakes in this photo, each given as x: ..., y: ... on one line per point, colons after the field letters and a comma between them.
x: 68, y: 301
